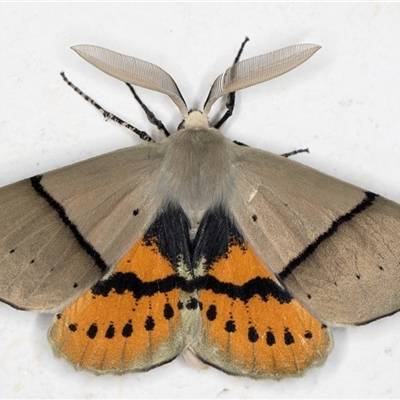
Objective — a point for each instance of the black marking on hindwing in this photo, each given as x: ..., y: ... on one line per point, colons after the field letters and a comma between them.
x: 217, y: 233
x: 170, y: 233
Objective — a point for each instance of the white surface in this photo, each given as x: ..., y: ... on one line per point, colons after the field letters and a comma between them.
x: 343, y: 104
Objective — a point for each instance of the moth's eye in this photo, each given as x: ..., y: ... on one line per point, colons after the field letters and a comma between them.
x: 181, y: 125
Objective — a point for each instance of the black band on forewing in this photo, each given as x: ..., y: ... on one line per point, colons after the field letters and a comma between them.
x: 56, y: 206
x: 359, y: 208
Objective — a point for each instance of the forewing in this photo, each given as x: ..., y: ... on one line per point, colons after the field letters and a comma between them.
x: 60, y: 232
x: 333, y: 245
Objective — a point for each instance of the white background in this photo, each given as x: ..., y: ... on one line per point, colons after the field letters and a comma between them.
x: 343, y: 104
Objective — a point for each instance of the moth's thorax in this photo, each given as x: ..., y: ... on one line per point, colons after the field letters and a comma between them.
x: 196, y: 169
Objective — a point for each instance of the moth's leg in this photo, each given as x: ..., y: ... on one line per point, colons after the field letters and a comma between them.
x: 230, y: 101
x: 287, y: 155
x: 240, y: 143
x: 294, y: 152
x: 150, y: 116
x: 143, y: 135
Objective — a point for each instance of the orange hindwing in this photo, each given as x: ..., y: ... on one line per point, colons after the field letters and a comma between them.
x: 133, y: 320
x: 251, y: 325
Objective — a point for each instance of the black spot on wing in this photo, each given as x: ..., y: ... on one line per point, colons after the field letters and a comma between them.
x: 92, y: 331
x: 127, y: 330
x: 270, y: 338
x: 168, y: 311
x: 230, y: 326
x: 150, y: 324
x: 211, y: 313
x: 110, y: 332
x: 252, y: 334
x: 288, y: 337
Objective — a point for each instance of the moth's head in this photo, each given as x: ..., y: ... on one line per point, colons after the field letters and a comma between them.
x: 195, y: 120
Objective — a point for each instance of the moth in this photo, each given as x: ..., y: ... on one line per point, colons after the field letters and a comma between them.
x: 243, y: 257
